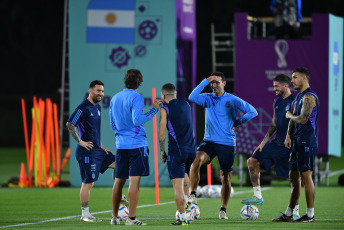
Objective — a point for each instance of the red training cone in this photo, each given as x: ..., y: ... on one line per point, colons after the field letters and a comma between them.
x: 22, y: 178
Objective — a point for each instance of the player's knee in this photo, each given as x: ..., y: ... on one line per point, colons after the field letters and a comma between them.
x: 225, y: 178
x: 197, y: 163
x: 306, y: 178
x: 294, y: 178
x: 252, y: 162
x: 88, y: 186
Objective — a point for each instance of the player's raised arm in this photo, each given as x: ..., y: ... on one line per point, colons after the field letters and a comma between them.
x: 137, y: 111
x: 196, y: 96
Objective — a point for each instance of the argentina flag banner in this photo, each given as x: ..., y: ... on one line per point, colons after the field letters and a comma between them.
x: 111, y: 21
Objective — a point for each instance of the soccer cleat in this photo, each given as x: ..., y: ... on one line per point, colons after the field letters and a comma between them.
x: 192, y: 199
x: 90, y: 218
x: 124, y: 201
x: 283, y: 218
x: 222, y: 215
x: 114, y: 221
x: 134, y: 222
x: 253, y: 200
x: 305, y: 219
x: 179, y: 222
x: 296, y: 217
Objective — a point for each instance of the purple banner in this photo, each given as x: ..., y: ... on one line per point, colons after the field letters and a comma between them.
x: 259, y: 61
x: 186, y: 50
x: 186, y: 16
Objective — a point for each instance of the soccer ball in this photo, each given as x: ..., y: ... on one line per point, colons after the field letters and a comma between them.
x: 123, y: 212
x: 249, y: 212
x: 189, y: 216
x: 214, y: 191
x: 198, y: 192
x: 204, y: 191
x: 195, y: 210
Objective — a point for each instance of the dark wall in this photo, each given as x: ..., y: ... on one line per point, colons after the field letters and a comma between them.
x: 31, y: 50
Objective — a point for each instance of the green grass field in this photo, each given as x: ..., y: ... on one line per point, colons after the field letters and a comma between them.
x: 59, y: 208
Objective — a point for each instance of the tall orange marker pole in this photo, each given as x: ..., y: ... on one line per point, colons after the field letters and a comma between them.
x: 57, y: 142
x: 209, y: 174
x: 25, y: 132
x: 155, y: 137
x: 48, y: 109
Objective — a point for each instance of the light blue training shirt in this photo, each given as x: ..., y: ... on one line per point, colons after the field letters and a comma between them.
x: 221, y: 113
x: 127, y: 119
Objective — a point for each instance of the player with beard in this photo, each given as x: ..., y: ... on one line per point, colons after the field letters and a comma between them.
x: 302, y: 139
x: 90, y: 153
x: 273, y: 153
x: 221, y: 109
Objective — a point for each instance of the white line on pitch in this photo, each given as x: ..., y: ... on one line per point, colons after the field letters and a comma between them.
x: 141, y: 206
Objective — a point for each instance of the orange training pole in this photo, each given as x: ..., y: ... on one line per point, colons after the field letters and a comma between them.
x: 155, y: 137
x: 209, y: 174
x: 65, y: 159
x: 25, y: 131
x: 40, y: 143
x: 32, y: 146
x: 47, y: 140
x: 53, y: 155
x: 33, y: 141
x: 58, y: 158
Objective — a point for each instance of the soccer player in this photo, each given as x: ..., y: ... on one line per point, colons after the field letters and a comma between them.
x: 221, y: 109
x: 90, y: 153
x: 176, y: 116
x: 126, y: 118
x: 302, y: 138
x: 273, y: 153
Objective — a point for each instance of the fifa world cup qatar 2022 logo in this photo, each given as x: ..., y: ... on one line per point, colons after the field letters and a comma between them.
x: 281, y: 48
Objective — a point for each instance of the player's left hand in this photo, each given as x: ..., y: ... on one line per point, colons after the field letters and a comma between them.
x: 288, y: 114
x: 157, y: 103
x: 260, y: 147
x: 107, y: 151
x: 163, y: 156
x: 287, y: 142
x: 233, y: 128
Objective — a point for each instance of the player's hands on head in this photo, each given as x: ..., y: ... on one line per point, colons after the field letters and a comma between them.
x: 87, y: 145
x: 214, y: 78
x: 163, y: 156
x: 157, y: 103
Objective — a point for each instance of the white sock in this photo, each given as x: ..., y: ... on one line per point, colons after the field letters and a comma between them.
x: 257, y: 192
x: 289, y: 211
x: 182, y: 216
x: 296, y: 210
x: 310, y: 212
x: 186, y: 199
x: 85, y: 211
